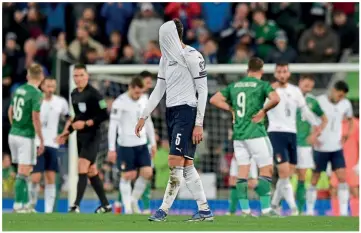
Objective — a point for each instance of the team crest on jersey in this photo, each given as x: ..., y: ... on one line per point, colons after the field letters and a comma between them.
x: 202, y: 65
x: 82, y: 107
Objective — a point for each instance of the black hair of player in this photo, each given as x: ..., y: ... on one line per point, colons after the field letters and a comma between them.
x: 255, y: 64
x: 282, y: 64
x: 136, y: 82
x: 145, y: 73
x: 80, y: 67
x: 259, y: 10
x: 179, y: 27
x: 307, y: 76
x: 341, y: 86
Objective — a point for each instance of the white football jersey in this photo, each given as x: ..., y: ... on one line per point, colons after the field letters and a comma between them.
x: 126, y: 112
x: 50, y: 113
x: 282, y: 118
x: 331, y: 136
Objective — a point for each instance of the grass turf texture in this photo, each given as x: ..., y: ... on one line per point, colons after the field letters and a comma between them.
x: 110, y: 222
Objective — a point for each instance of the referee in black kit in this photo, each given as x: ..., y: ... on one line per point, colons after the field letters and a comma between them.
x: 90, y: 111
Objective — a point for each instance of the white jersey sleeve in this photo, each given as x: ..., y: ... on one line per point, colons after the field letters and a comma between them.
x: 114, y: 124
x: 64, y: 107
x: 197, y: 68
x: 305, y: 111
x: 348, y: 106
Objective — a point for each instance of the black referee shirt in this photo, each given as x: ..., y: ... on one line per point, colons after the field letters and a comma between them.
x: 89, y: 105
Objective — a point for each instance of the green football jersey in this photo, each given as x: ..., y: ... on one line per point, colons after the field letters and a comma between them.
x: 247, y: 97
x: 303, y: 127
x: 26, y: 99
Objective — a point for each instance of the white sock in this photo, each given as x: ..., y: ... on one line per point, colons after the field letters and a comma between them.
x: 139, y: 187
x: 126, y: 190
x: 343, y: 195
x: 33, y: 192
x: 195, y: 187
x: 50, y: 194
x: 175, y: 177
x: 277, y: 195
x: 311, y: 197
x: 288, y: 193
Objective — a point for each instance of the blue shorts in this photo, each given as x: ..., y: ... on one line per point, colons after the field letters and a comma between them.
x: 132, y: 158
x: 48, y: 161
x: 322, y: 158
x: 180, y: 122
x: 284, y: 147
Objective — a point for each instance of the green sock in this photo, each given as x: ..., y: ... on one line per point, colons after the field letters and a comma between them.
x: 26, y: 194
x: 242, y: 190
x: 119, y: 196
x: 146, y: 196
x: 301, y: 195
x: 233, y: 199
x: 263, y: 190
x: 20, y: 184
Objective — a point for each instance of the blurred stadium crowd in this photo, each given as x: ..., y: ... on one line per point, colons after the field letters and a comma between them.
x: 127, y: 33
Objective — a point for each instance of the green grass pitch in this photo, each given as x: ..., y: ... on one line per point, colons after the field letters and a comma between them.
x: 110, y: 222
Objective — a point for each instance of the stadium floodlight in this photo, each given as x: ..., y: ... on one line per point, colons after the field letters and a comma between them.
x: 118, y: 73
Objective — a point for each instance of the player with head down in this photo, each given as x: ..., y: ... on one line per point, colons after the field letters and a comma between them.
x: 181, y: 74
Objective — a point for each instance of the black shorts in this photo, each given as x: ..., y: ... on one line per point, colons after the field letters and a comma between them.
x: 284, y: 147
x: 322, y: 158
x: 48, y: 161
x: 180, y: 123
x: 132, y: 158
x: 88, y: 146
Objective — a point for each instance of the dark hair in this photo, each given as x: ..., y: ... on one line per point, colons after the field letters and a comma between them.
x: 282, y: 64
x: 255, y: 64
x: 136, y: 82
x: 91, y: 50
x: 145, y: 74
x: 179, y: 27
x: 259, y: 10
x: 341, y: 86
x: 307, y: 76
x: 80, y: 67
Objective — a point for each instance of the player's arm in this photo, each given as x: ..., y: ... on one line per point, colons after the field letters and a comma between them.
x: 10, y: 114
x: 149, y: 129
x: 114, y: 124
x: 101, y: 113
x: 273, y: 100
x: 36, y: 104
x: 349, y: 118
x: 221, y: 100
x: 305, y: 110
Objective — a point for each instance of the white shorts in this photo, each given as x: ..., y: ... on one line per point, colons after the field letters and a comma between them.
x: 257, y: 149
x: 23, y: 150
x: 304, y: 157
x: 253, y: 172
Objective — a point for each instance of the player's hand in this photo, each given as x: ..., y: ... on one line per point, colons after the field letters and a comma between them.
x: 153, y: 151
x: 78, y: 125
x: 61, y: 139
x: 197, y: 135
x: 139, y: 126
x: 40, y: 149
x: 112, y: 156
x: 89, y: 123
x: 233, y: 116
x: 313, y: 140
x: 259, y: 116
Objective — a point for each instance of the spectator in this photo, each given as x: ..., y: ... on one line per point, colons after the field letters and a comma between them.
x: 152, y: 54
x: 232, y: 34
x: 241, y: 56
x: 79, y: 7
x: 12, y: 50
x: 116, y: 43
x: 6, y: 79
x: 318, y: 12
x: 144, y: 28
x: 61, y: 46
x: 110, y: 57
x: 34, y: 23
x: 287, y: 16
x: 147, y: 79
x: 346, y: 7
x: 346, y: 30
x: 318, y: 44
x: 282, y: 53
x: 184, y: 11
x: 128, y: 55
x: 258, y: 6
x: 264, y: 31
x: 91, y: 56
x: 117, y: 16
x: 202, y: 37
x: 210, y: 11
x: 190, y: 34
x: 210, y: 52
x: 80, y: 45
x: 55, y: 13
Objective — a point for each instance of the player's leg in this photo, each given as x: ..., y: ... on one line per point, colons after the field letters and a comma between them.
x: 128, y: 174
x: 51, y: 168
x: 25, y: 155
x: 232, y: 181
x: 343, y: 191
x: 354, y: 200
x: 143, y: 161
x: 262, y: 155
x: 147, y: 192
x: 305, y: 161
x: 243, y: 158
x: 118, y: 201
x: 320, y: 159
x: 34, y: 183
x: 98, y: 187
